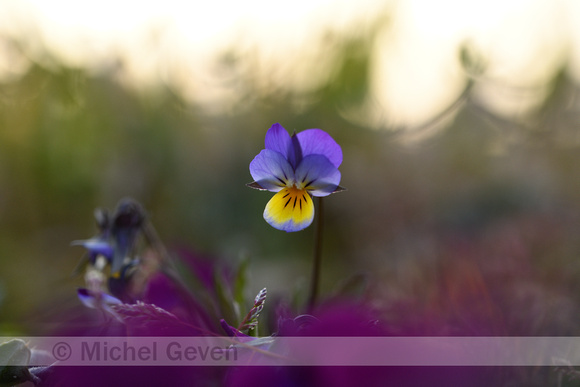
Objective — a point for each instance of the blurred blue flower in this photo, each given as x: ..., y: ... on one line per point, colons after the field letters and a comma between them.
x: 116, y: 245
x: 117, y: 236
x: 296, y: 167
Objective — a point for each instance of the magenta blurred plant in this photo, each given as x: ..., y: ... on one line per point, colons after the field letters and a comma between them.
x: 155, y: 296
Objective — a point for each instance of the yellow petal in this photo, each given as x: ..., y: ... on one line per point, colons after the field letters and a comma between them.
x: 290, y: 210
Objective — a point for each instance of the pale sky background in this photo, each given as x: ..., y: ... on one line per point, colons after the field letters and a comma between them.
x: 415, y: 71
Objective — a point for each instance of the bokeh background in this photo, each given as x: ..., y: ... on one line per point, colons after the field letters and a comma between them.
x: 459, y: 122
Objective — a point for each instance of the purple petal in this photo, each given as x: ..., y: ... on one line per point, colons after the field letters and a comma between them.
x: 91, y: 300
x: 295, y: 151
x: 316, y: 141
x: 278, y: 139
x: 271, y: 170
x: 86, y: 298
x: 101, y: 301
x: 96, y: 246
x: 317, y: 175
x: 110, y: 300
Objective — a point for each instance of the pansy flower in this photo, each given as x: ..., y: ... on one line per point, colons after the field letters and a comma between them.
x: 296, y: 167
x: 114, y: 245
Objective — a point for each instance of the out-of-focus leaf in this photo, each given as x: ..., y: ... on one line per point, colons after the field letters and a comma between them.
x: 14, y: 352
x: 224, y: 297
x: 471, y: 60
x: 298, y: 294
x: 240, y: 284
x: 149, y: 319
x: 13, y: 375
x: 195, y: 286
x: 14, y: 358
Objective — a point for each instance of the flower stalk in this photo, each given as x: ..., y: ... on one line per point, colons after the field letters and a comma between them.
x: 317, y: 257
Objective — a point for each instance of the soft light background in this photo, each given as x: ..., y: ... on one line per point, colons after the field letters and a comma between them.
x: 459, y: 122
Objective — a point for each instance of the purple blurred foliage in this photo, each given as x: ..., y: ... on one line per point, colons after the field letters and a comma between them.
x: 204, y: 267
x: 98, y: 376
x: 150, y: 320
x: 344, y: 319
x: 340, y: 376
x: 351, y: 320
x: 233, y: 332
x: 164, y: 293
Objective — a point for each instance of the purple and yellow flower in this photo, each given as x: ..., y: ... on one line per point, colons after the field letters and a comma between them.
x: 296, y: 167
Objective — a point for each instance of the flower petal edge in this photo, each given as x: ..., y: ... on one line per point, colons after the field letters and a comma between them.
x: 271, y: 170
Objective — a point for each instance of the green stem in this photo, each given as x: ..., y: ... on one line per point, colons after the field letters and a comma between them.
x: 314, y: 284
